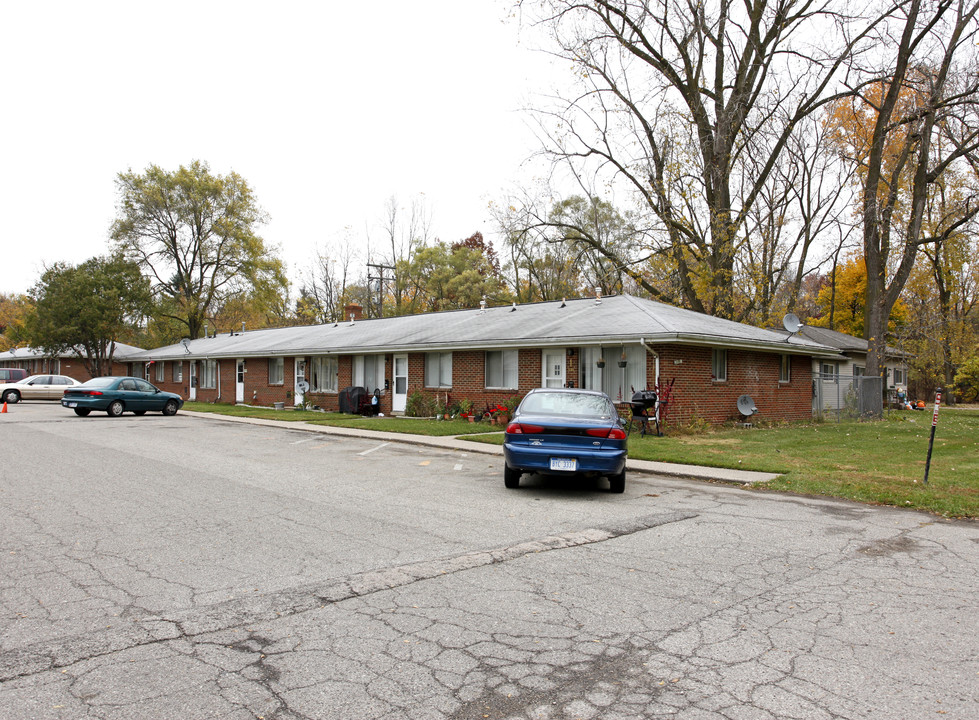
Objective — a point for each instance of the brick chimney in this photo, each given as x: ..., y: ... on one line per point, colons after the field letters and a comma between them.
x: 353, y: 311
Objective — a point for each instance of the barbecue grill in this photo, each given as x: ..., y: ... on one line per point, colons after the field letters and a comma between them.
x: 643, y: 406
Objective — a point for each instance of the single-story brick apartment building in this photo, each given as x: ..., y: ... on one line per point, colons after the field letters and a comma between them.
x: 40, y: 362
x: 617, y: 344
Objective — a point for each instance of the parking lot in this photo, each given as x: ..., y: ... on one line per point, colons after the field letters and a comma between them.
x: 191, y: 567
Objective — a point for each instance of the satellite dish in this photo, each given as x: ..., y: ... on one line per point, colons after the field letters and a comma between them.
x: 792, y: 323
x: 302, y: 386
x: 746, y: 406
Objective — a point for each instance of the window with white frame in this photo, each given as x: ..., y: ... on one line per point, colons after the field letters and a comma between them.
x: 369, y: 371
x: 160, y: 371
x: 898, y: 376
x: 718, y: 365
x: 618, y: 382
x: 501, y: 369
x: 323, y: 373
x: 438, y: 369
x: 178, y: 371
x: 209, y: 374
x: 829, y: 371
x: 277, y: 371
x: 785, y: 369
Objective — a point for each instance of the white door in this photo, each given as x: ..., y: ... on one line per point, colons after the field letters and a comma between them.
x: 193, y: 379
x: 553, y: 366
x: 239, y: 381
x: 399, y: 396
x: 299, y: 391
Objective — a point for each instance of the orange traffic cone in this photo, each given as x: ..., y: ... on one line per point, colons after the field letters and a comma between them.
x: 4, y: 407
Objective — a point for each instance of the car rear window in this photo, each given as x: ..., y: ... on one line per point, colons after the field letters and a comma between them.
x: 567, y: 404
x: 100, y: 382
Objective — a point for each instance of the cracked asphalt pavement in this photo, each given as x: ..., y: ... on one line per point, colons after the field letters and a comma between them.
x: 188, y: 567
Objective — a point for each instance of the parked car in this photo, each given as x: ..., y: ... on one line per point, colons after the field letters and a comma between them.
x: 36, y: 387
x: 563, y: 432
x: 116, y: 395
x: 12, y: 375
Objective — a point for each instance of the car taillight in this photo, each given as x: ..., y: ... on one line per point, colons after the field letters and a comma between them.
x: 611, y: 434
x: 93, y: 392
x: 523, y: 428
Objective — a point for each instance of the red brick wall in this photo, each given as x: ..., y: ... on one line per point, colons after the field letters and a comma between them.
x: 696, y: 395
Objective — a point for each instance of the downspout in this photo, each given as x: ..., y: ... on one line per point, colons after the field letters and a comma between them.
x: 642, y: 341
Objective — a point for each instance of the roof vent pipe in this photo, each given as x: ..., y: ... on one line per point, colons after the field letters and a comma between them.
x: 205, y: 329
x: 598, y: 296
x: 514, y: 308
x: 243, y: 326
x: 482, y: 304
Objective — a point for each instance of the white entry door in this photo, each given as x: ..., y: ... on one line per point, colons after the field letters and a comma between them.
x: 193, y: 379
x: 553, y: 367
x: 399, y: 395
x: 239, y: 381
x: 301, y: 386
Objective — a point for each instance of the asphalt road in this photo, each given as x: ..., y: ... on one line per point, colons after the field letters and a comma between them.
x: 189, y: 567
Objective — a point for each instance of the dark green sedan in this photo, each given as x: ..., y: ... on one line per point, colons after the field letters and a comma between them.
x: 116, y: 395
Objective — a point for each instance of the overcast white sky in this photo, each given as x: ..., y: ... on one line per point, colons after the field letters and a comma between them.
x: 327, y: 109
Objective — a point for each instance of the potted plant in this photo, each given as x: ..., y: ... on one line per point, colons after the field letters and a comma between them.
x: 622, y: 360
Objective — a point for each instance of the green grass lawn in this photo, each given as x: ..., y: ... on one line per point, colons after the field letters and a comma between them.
x: 414, y: 426
x: 875, y: 462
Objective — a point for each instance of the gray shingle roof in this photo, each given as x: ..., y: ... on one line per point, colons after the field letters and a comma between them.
x: 842, y: 341
x: 122, y: 353
x: 615, y: 320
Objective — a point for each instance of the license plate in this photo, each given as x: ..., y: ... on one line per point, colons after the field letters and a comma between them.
x: 564, y: 464
x: 70, y: 404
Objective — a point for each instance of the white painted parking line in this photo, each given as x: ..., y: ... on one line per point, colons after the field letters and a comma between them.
x: 300, y: 442
x: 366, y: 452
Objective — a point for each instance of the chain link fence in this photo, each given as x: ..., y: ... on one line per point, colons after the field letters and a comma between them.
x: 847, y: 396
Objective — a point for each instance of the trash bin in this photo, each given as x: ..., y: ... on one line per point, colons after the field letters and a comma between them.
x: 280, y: 406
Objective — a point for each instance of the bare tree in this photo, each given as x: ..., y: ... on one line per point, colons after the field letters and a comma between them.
x: 923, y: 98
x: 401, y: 233
x: 692, y: 105
x: 804, y: 203
x: 324, y: 284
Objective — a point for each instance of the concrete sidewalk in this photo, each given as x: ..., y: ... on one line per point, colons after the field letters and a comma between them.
x: 695, y: 472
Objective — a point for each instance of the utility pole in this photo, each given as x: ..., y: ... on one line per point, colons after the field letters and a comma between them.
x: 372, y: 309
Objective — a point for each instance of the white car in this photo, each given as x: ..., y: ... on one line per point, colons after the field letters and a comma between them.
x: 36, y: 387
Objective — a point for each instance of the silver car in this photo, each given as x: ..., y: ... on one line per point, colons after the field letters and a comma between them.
x: 36, y: 387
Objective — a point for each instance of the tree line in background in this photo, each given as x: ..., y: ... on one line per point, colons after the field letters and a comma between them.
x: 739, y: 160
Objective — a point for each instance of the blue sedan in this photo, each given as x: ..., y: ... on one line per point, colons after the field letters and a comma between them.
x: 558, y: 431
x: 116, y: 395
